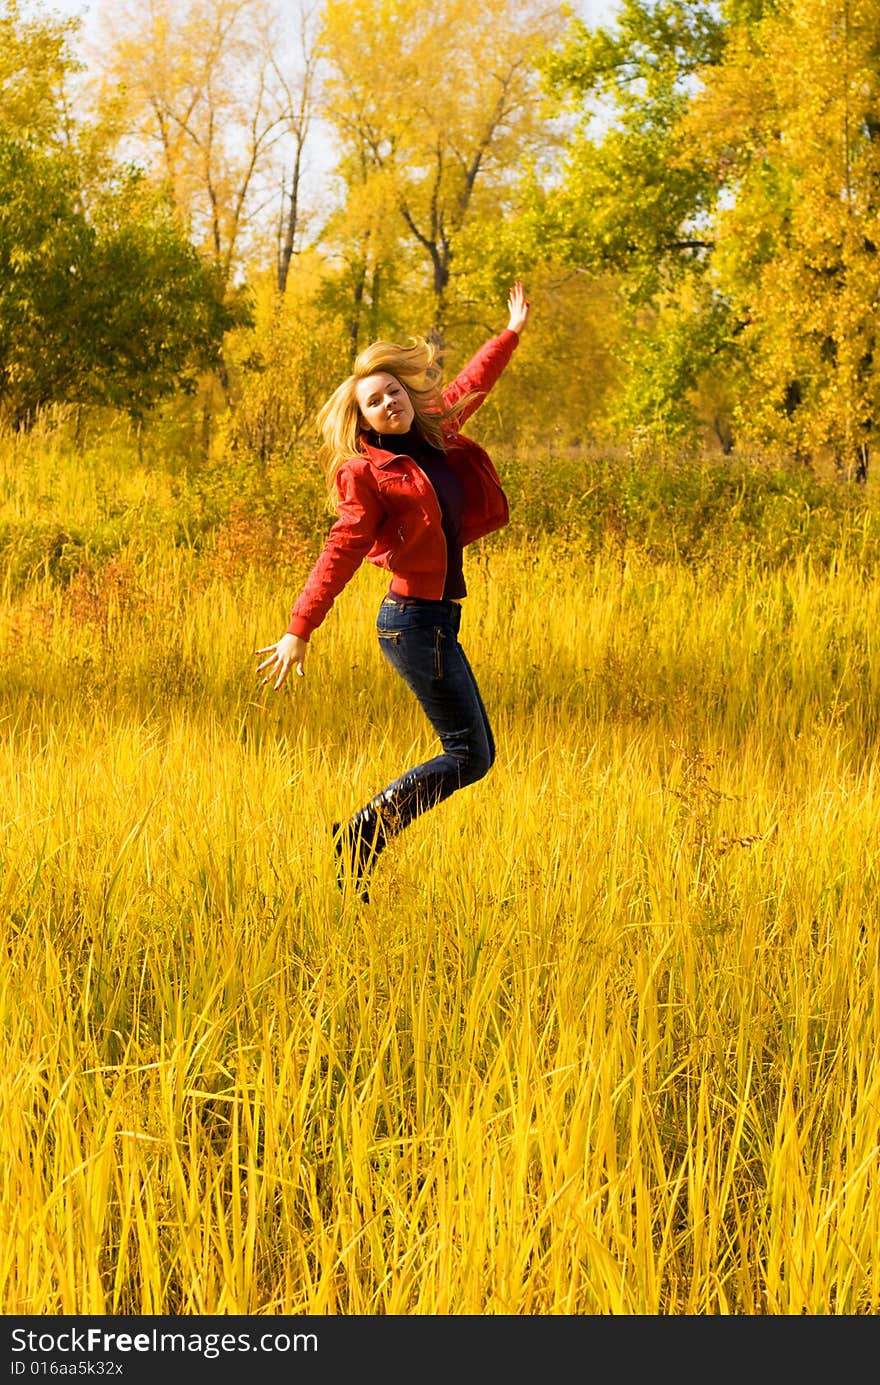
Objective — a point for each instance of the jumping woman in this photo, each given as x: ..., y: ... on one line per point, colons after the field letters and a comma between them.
x: 410, y: 492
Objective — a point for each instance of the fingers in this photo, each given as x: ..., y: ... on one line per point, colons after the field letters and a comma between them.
x: 285, y: 670
x: 518, y: 306
x: 516, y: 298
x: 279, y: 671
x: 289, y: 652
x: 282, y: 668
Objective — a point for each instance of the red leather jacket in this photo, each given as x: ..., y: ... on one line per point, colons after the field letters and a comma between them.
x: 388, y: 509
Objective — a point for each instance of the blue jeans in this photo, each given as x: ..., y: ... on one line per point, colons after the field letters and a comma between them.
x: 419, y: 639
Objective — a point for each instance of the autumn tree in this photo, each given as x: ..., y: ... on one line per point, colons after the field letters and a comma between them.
x: 630, y: 202
x: 297, y: 95
x: 102, y: 299
x: 284, y: 365
x: 629, y: 197
x: 731, y: 185
x: 431, y: 127
x: 789, y: 124
x: 217, y: 100
x: 36, y: 66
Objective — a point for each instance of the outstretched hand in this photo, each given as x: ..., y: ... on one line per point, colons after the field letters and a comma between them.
x: 288, y: 653
x: 518, y: 306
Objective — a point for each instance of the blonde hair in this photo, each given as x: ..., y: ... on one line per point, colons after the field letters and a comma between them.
x: 340, y: 421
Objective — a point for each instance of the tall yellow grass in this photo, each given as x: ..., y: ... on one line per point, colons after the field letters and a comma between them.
x: 605, y: 1040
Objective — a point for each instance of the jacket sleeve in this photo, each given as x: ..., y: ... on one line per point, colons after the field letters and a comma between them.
x: 480, y: 374
x: 348, y: 543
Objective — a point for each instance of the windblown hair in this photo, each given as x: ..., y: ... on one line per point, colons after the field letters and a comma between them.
x: 340, y: 421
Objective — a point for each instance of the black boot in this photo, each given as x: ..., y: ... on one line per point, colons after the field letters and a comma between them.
x: 359, y: 841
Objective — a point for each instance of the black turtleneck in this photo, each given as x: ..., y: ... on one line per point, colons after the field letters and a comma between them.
x: 447, y: 488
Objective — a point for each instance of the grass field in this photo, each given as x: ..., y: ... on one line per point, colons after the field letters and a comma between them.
x: 605, y: 1040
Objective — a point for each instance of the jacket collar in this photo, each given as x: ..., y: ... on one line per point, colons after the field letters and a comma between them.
x: 379, y: 456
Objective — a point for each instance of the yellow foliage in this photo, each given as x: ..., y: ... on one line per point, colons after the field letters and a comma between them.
x: 285, y: 365
x: 432, y: 123
x: 787, y: 119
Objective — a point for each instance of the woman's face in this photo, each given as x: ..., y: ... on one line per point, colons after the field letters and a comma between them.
x: 384, y: 404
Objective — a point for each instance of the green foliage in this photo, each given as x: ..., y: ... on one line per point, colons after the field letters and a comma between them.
x: 103, y: 299
x: 645, y: 59
x: 106, y: 306
x: 735, y: 163
x: 630, y: 199
x: 112, y: 306
x: 675, y: 357
x: 157, y: 314
x: 43, y: 245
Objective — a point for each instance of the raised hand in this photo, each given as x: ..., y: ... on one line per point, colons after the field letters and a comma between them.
x: 518, y: 307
